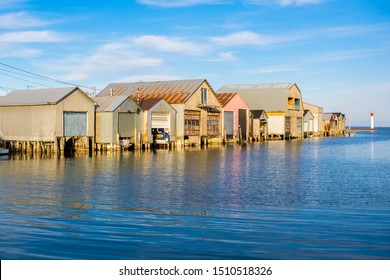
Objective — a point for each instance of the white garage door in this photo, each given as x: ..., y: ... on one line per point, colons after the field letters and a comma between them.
x: 160, y: 120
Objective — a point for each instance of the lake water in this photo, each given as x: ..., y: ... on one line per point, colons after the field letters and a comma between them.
x: 323, y: 198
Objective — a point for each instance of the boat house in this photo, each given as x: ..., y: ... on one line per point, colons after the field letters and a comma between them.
x: 235, y: 117
x: 118, y: 122
x: 159, y: 121
x: 49, y: 119
x: 259, y: 120
x: 318, y: 121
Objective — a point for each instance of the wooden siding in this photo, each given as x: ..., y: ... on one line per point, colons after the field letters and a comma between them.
x: 295, y: 112
x: 193, y: 103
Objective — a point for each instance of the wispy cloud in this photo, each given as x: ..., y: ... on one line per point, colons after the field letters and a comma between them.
x: 33, y: 37
x: 248, y: 38
x: 9, y: 50
x: 284, y: 3
x: 148, y: 78
x: 276, y: 69
x: 169, y: 44
x: 20, y: 20
x: 109, y: 58
x: 224, y: 57
x: 181, y: 3
x: 10, y: 3
x: 345, y: 55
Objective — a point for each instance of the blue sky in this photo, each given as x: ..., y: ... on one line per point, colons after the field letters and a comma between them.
x: 336, y: 51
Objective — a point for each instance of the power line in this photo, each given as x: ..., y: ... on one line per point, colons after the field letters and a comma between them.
x: 24, y: 80
x: 45, y: 77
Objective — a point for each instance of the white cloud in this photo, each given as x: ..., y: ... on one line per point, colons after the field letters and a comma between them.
x: 248, y: 38
x: 7, y: 50
x: 107, y: 59
x: 167, y: 44
x: 148, y: 78
x: 20, y: 20
x: 224, y: 57
x: 276, y: 69
x: 181, y: 3
x: 33, y: 37
x: 345, y: 55
x: 284, y: 3
x: 10, y: 3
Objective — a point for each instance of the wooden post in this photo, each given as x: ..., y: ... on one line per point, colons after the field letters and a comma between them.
x: 239, y: 135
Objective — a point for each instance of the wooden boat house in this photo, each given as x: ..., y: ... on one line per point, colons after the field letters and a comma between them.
x: 308, y: 123
x: 118, y: 122
x: 281, y: 101
x: 318, y: 115
x: 47, y: 119
x: 259, y: 120
x: 159, y: 121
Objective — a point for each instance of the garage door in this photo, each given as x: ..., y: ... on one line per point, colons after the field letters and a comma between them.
x: 228, y: 122
x: 126, y: 125
x: 75, y: 123
x: 160, y: 120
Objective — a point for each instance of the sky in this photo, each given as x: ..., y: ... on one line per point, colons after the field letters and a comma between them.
x: 336, y: 51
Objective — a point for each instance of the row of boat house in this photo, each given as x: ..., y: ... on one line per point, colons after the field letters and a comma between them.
x: 181, y: 112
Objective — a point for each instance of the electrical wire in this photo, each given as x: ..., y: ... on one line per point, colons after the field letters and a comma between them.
x: 24, y: 80
x: 36, y: 76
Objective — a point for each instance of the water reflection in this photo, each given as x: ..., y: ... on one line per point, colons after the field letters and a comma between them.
x: 268, y: 200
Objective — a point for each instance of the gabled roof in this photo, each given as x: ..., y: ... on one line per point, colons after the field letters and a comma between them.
x: 36, y: 96
x: 312, y: 105
x: 178, y: 91
x: 327, y: 116
x: 109, y: 103
x: 148, y: 103
x: 224, y: 98
x: 269, y: 97
x: 307, y: 115
x: 259, y: 114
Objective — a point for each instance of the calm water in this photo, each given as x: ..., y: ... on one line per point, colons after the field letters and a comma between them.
x: 311, y: 199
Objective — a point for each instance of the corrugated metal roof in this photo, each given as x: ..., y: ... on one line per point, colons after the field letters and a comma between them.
x: 148, y: 103
x: 109, y: 103
x: 36, y: 96
x: 239, y: 87
x: 225, y: 97
x: 327, y: 116
x: 268, y: 97
x: 177, y: 91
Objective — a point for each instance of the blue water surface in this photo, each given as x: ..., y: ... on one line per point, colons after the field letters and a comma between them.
x: 326, y: 198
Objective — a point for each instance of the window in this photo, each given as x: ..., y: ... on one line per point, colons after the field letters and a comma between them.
x: 297, y: 104
x: 204, y: 96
